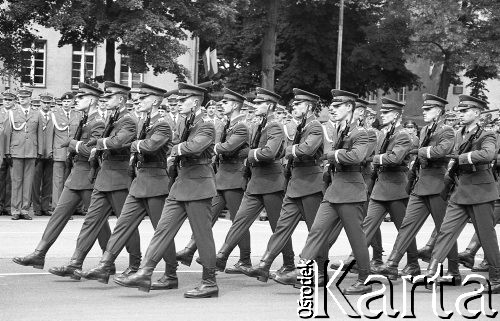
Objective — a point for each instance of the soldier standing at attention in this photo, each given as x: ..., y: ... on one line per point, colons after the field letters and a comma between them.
x: 425, y: 198
x: 64, y: 124
x: 474, y: 195
x: 9, y: 99
x: 266, y: 184
x: 42, y: 182
x: 147, y: 193
x: 229, y: 180
x: 111, y: 184
x: 304, y: 190
x: 190, y: 197
x: 77, y: 187
x: 23, y: 149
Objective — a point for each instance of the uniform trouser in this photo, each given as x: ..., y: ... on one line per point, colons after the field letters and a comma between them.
x: 5, y: 187
x: 375, y: 216
x: 329, y: 214
x: 174, y: 214
x: 454, y: 222
x: 417, y: 212
x: 292, y: 210
x: 101, y: 205
x: 42, y: 186
x: 133, y: 212
x: 58, y: 180
x: 66, y: 206
x: 23, y: 170
x: 475, y: 244
x: 251, y: 206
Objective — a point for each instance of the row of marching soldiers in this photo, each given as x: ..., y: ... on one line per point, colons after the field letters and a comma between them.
x: 366, y: 175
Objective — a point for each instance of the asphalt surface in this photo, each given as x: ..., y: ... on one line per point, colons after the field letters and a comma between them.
x: 31, y: 294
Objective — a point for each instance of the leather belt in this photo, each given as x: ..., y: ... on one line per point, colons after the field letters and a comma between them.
x: 151, y: 165
x: 116, y: 158
x: 263, y: 164
x: 435, y: 165
x: 305, y: 164
x: 471, y: 168
x: 231, y: 161
x: 350, y: 168
x: 193, y: 162
x: 393, y: 169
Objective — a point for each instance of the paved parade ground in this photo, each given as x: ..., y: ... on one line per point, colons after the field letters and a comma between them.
x: 30, y: 294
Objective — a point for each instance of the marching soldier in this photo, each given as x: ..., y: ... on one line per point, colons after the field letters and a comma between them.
x: 111, y: 184
x: 9, y: 99
x: 229, y: 180
x: 211, y: 117
x: 425, y: 198
x: 190, y: 197
x: 42, y: 182
x: 64, y: 124
x: 23, y: 151
x: 175, y: 119
x: 266, y: 184
x: 304, y: 191
x: 147, y: 193
x: 77, y: 187
x: 344, y: 198
x: 475, y: 192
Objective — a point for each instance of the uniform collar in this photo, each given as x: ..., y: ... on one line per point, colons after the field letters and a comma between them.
x: 24, y: 110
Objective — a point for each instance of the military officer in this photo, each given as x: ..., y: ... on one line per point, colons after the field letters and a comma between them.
x: 304, y: 190
x: 425, y: 198
x: 266, y: 184
x: 230, y: 181
x: 77, y: 187
x: 23, y: 149
x: 42, y: 182
x: 35, y: 104
x: 64, y: 124
x: 111, y: 184
x: 211, y: 117
x: 9, y: 98
x: 344, y: 198
x: 175, y: 118
x: 190, y: 197
x: 148, y: 190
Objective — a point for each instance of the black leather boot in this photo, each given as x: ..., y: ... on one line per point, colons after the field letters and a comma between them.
x: 222, y: 256
x: 134, y: 262
x: 208, y: 287
x: 454, y: 272
x: 168, y: 280
x: 288, y: 265
x: 69, y: 270
x: 101, y: 272
x: 354, y: 269
x: 35, y: 259
x: 243, y: 263
x: 141, y: 279
x: 425, y: 253
x: 289, y: 278
x: 390, y: 269
x: 185, y: 256
x: 359, y: 288
x: 494, y: 278
x: 260, y: 271
x: 412, y: 269
x: 431, y: 271
x: 484, y: 266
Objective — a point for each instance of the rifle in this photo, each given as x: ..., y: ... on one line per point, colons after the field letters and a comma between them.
x: 382, y: 150
x: 77, y: 136
x: 94, y: 162
x: 296, y: 140
x: 223, y: 139
x: 412, y: 176
x: 255, y: 143
x: 452, y: 173
x: 135, y: 156
x: 173, y: 173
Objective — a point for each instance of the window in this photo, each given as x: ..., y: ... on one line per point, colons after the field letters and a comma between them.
x: 33, y: 69
x: 373, y: 96
x: 127, y: 77
x: 83, y: 65
x: 401, y: 95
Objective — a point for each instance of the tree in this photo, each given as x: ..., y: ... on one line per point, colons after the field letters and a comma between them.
x: 148, y: 31
x: 478, y: 75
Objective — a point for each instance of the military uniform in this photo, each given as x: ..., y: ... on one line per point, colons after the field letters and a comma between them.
x: 6, y: 187
x: 146, y: 195
x: 473, y: 197
x: 264, y: 189
x: 77, y: 188
x: 425, y: 197
x: 22, y: 133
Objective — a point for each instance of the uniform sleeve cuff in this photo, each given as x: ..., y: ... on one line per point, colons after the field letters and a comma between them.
x: 77, y: 145
x: 139, y: 146
x: 469, y: 157
x: 255, y: 155
x: 337, y: 156
x: 293, y: 151
x: 215, y: 149
x: 104, y: 143
x: 179, y: 153
x: 429, y: 152
x: 380, y: 160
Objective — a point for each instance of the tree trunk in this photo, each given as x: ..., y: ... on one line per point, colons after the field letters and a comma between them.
x: 109, y: 67
x: 269, y: 45
x: 444, y: 80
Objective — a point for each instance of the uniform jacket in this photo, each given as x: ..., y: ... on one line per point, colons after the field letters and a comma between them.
x: 373, y: 142
x: 479, y: 186
x: 196, y: 179
x: 136, y: 117
x: 433, y: 161
x: 219, y: 126
x: 22, y: 133
x: 152, y: 179
x: 267, y: 171
x: 306, y: 178
x: 4, y: 118
x: 177, y: 126
x: 63, y: 129
x: 113, y: 174
x: 47, y: 133
x: 329, y: 129
x: 231, y: 167
x: 290, y: 128
x: 79, y: 176
x: 348, y: 186
x: 391, y: 184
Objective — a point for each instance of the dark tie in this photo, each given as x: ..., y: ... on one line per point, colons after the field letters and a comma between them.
x: 26, y: 112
